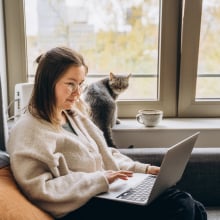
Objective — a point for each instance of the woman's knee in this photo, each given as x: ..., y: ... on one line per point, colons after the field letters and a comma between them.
x: 179, y: 203
x: 187, y: 206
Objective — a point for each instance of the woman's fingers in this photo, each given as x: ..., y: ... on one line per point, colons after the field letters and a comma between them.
x: 121, y: 174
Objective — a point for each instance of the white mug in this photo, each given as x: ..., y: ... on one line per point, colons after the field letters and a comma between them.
x: 149, y: 117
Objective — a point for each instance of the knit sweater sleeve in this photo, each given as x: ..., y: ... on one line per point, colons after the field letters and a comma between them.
x: 43, y: 173
x: 126, y: 163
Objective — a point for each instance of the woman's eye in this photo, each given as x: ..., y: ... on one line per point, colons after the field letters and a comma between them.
x: 71, y: 84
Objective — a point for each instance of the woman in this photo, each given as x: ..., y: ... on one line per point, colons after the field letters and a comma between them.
x: 60, y: 158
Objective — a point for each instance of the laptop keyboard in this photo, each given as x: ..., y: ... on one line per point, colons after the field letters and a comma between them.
x: 140, y: 192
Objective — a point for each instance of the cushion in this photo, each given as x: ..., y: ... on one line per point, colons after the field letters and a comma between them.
x: 4, y: 159
x: 13, y: 204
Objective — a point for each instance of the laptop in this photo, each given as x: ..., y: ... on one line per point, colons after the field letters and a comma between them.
x: 142, y: 189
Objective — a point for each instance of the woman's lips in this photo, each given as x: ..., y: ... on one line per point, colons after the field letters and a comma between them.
x: 71, y: 100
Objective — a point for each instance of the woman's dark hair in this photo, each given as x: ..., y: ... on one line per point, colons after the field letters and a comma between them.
x: 51, y: 67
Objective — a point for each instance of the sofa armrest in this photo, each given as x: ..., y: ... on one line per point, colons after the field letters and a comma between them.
x: 13, y: 204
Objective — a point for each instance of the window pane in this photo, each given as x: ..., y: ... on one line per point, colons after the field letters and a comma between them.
x: 119, y: 36
x: 208, y: 77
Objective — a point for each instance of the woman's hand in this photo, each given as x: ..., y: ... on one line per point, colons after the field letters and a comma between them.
x: 153, y: 170
x: 120, y: 174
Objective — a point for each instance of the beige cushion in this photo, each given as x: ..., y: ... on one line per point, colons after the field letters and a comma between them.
x: 13, y: 204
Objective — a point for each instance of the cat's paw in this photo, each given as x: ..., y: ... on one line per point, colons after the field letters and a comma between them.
x: 118, y: 121
x: 130, y: 146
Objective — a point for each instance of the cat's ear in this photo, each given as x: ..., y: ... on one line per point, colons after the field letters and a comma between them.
x: 111, y: 75
x: 128, y: 76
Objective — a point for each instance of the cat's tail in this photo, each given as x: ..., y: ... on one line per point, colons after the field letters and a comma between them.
x: 108, y: 137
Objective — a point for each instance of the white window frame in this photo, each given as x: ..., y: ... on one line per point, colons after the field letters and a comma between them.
x: 3, y: 57
x: 15, y: 45
x: 168, y: 61
x: 173, y: 105
x: 188, y: 106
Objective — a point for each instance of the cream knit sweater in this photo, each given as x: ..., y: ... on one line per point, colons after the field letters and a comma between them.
x: 58, y: 170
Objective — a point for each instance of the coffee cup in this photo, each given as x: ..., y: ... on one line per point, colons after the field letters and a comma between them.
x: 149, y: 117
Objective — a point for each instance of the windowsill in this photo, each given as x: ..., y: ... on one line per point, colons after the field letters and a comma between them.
x: 172, y: 123
x: 168, y: 132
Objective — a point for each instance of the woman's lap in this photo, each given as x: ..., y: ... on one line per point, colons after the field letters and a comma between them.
x: 172, y: 204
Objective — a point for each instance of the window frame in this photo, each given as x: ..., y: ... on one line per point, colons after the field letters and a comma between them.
x: 15, y: 45
x: 176, y: 99
x: 3, y: 57
x: 188, y: 106
x: 167, y: 66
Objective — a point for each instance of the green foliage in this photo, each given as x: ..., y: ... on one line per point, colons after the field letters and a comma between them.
x: 129, y: 51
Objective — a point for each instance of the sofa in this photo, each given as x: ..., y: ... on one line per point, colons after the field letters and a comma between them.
x: 201, y: 179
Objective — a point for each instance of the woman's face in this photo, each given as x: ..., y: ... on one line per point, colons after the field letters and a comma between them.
x: 68, y: 87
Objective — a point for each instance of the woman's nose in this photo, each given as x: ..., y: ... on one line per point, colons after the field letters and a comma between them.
x: 77, y: 92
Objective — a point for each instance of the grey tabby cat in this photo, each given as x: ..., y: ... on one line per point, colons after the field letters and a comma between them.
x: 101, y: 97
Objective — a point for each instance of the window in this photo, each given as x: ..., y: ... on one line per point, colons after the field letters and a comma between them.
x: 199, y: 74
x: 208, y: 74
x: 113, y: 36
x: 156, y: 92
x: 160, y: 42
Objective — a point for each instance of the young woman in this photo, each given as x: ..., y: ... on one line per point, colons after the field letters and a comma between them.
x: 60, y: 158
